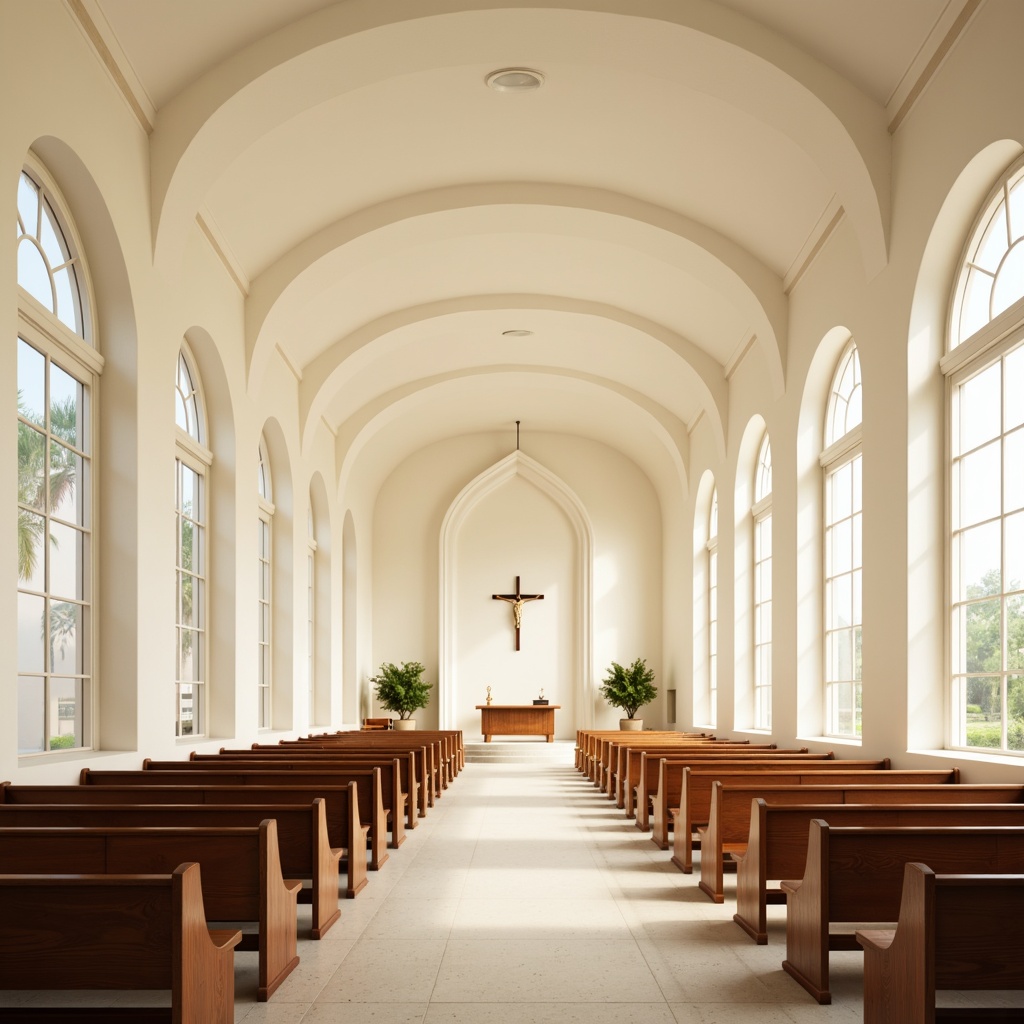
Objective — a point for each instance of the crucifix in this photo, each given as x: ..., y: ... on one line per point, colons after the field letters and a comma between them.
x: 517, y: 600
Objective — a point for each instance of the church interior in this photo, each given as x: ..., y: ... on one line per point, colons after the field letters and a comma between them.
x: 516, y: 340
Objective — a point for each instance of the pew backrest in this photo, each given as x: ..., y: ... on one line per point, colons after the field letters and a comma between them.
x: 118, y: 932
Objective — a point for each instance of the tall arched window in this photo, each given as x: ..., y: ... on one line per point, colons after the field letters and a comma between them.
x: 843, y: 503
x: 762, y: 515
x: 311, y: 615
x: 265, y: 519
x: 712, y: 547
x: 58, y: 369
x: 985, y: 374
x: 192, y: 463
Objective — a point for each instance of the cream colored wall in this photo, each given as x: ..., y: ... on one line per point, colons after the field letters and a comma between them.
x: 966, y: 127
x: 518, y: 530
x: 98, y: 155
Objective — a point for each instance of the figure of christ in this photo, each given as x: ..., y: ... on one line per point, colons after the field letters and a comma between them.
x: 517, y: 600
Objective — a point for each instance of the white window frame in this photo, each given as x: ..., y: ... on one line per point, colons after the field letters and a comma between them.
x: 842, y: 696
x: 985, y: 328
x: 265, y: 592
x: 761, y: 513
x: 311, y: 549
x: 192, y: 454
x: 74, y: 352
x: 712, y: 555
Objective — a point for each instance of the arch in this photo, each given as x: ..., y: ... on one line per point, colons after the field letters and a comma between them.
x: 744, y: 584
x: 926, y: 437
x: 283, y: 617
x: 223, y: 556
x: 213, y: 120
x: 517, y: 465
x: 115, y: 328
x: 715, y: 260
x: 321, y: 656
x: 704, y: 494
x: 333, y: 367
x: 668, y: 434
x: 351, y: 698
x: 809, y: 509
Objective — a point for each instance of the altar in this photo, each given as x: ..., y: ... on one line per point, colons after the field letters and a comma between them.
x: 518, y: 720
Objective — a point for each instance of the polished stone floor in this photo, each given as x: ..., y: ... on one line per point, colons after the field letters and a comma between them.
x: 525, y: 896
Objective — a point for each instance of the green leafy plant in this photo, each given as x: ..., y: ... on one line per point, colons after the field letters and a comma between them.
x: 629, y: 688
x: 401, y: 688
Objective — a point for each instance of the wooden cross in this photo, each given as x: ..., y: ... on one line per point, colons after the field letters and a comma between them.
x: 517, y: 600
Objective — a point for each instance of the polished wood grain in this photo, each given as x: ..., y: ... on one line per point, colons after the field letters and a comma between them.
x: 97, y: 931
x: 518, y: 720
x: 763, y: 830
x: 240, y: 870
x: 303, y: 844
x: 962, y: 932
x: 856, y: 875
x: 345, y: 831
x: 695, y: 789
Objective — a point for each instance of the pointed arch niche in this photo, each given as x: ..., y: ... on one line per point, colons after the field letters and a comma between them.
x: 453, y: 698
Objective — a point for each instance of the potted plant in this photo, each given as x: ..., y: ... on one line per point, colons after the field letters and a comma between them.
x: 402, y: 688
x: 630, y: 689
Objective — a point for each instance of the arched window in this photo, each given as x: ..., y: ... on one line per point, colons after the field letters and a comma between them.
x: 712, y: 548
x: 992, y: 272
x: 985, y: 374
x: 762, y: 515
x: 843, y: 503
x: 57, y: 372
x: 265, y: 519
x: 192, y: 463
x: 311, y: 615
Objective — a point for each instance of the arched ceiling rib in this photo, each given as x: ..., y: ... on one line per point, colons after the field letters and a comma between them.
x: 389, y: 217
x: 426, y: 341
x: 700, y: 46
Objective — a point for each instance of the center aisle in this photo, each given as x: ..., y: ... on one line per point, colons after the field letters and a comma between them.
x: 526, y: 896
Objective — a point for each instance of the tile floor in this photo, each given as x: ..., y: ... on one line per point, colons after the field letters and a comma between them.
x: 525, y: 896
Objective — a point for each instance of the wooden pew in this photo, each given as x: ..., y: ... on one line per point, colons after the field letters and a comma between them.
x: 961, y: 932
x: 130, y: 932
x: 341, y: 805
x: 368, y: 789
x: 640, y: 802
x: 591, y: 743
x: 303, y: 846
x: 607, y: 747
x: 408, y: 782
x: 425, y: 755
x: 630, y: 759
x: 394, y: 800
x: 686, y: 789
x: 778, y: 818
x: 239, y: 867
x: 451, y: 748
x: 587, y: 740
x: 856, y: 875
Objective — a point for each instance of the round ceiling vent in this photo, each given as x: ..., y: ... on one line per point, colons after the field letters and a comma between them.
x: 515, y: 80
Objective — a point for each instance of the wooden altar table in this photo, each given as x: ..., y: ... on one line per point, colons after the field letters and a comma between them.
x: 518, y: 720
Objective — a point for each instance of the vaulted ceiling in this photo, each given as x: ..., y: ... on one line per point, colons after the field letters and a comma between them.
x: 643, y: 214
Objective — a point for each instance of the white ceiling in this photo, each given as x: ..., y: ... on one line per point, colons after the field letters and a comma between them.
x: 388, y: 215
